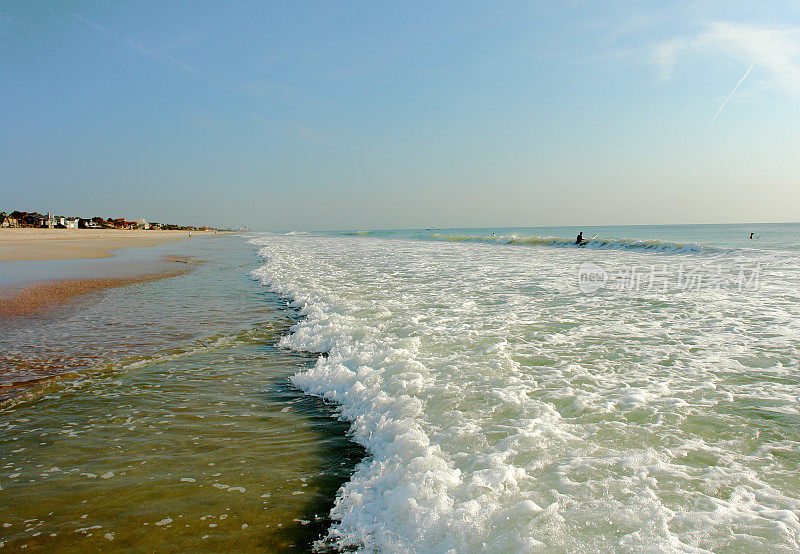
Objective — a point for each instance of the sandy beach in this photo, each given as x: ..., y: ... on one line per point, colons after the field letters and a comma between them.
x: 36, y: 296
x: 26, y: 244
x: 44, y: 294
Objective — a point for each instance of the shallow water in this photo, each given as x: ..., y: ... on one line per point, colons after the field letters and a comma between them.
x: 507, y: 408
x: 173, y: 423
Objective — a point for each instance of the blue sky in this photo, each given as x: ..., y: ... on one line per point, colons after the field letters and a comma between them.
x: 325, y: 115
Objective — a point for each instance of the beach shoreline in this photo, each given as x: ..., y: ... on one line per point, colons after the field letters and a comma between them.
x: 159, y: 405
x: 30, y: 244
x: 36, y: 298
x: 34, y: 301
x: 36, y: 295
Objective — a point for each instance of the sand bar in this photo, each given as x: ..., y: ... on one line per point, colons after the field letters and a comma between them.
x: 26, y: 244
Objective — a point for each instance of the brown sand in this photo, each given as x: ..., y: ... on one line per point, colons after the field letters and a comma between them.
x: 24, y: 244
x: 35, y: 299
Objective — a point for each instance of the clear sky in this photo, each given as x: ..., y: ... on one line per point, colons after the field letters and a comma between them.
x: 343, y: 115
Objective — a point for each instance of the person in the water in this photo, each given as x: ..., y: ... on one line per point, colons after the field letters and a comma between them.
x: 579, y: 240
x: 751, y: 236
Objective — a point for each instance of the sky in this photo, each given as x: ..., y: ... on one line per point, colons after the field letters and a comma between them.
x: 375, y: 115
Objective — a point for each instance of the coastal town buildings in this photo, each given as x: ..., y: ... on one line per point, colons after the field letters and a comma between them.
x: 50, y: 221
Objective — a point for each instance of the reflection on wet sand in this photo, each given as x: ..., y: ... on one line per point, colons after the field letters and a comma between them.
x: 34, y: 299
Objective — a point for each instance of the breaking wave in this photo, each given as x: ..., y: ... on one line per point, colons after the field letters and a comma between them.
x: 595, y: 244
x: 505, y: 411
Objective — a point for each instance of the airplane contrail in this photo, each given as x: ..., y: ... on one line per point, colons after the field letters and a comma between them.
x: 159, y: 56
x: 746, y: 73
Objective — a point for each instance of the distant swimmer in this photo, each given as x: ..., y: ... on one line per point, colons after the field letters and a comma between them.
x: 751, y: 236
x: 579, y: 240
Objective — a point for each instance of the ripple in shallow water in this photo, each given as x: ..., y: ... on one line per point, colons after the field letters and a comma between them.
x: 175, y: 424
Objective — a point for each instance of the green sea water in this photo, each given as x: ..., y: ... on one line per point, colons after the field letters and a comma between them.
x: 167, y: 421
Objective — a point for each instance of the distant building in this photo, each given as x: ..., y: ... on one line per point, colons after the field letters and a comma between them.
x: 142, y: 224
x: 61, y: 222
x: 38, y: 220
x: 8, y: 221
x: 88, y: 224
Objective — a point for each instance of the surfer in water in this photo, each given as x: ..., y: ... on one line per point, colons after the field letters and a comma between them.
x: 751, y: 236
x: 579, y: 240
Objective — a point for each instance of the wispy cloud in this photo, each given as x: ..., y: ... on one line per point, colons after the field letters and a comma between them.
x: 776, y: 51
x: 664, y: 56
x: 135, y: 44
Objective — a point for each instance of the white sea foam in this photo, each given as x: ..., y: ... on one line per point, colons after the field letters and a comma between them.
x: 504, y: 410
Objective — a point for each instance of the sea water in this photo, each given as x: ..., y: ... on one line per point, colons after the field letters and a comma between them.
x: 516, y: 392
x: 159, y: 416
x: 511, y: 392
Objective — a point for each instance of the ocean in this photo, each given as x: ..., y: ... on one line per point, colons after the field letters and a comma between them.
x: 434, y: 390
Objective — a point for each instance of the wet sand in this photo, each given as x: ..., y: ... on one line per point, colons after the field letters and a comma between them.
x: 38, y: 296
x: 35, y: 299
x: 30, y: 304
x: 25, y: 244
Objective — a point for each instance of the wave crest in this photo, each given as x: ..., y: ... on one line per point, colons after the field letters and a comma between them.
x: 595, y: 244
